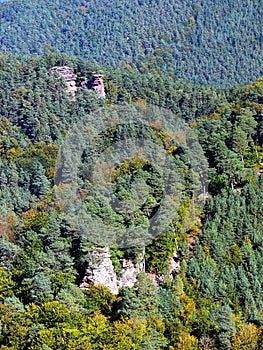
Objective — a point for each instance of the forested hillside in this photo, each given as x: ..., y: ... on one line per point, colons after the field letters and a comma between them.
x: 207, y: 41
x: 212, y: 302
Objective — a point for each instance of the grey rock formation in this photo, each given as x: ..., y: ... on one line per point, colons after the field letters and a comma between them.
x: 96, y: 84
x: 69, y: 77
x: 174, y: 266
x: 100, y: 271
x: 130, y: 271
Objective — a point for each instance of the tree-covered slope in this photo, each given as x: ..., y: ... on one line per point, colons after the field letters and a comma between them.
x: 208, y: 41
x: 226, y: 41
x: 213, y: 301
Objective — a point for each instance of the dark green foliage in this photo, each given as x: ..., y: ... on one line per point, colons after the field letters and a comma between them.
x: 228, y: 259
x: 206, y: 41
x: 141, y: 301
x: 226, y: 328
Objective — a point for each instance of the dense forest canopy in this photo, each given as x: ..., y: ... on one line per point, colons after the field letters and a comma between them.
x: 204, y: 41
x: 212, y: 302
x: 198, y: 284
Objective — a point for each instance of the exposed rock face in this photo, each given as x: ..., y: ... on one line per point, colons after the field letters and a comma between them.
x: 67, y: 73
x: 100, y: 271
x: 130, y: 272
x: 155, y: 278
x: 69, y: 77
x: 97, y: 84
x: 174, y: 266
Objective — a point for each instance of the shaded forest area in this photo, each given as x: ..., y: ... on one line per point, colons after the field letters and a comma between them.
x: 210, y: 41
x: 213, y: 302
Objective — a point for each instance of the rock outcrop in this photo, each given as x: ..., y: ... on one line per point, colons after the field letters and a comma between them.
x: 97, y: 84
x: 69, y: 77
x: 100, y: 271
x: 174, y: 266
x: 130, y: 272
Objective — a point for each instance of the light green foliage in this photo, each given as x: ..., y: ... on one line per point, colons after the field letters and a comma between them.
x: 141, y: 301
x: 248, y: 337
x: 6, y: 285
